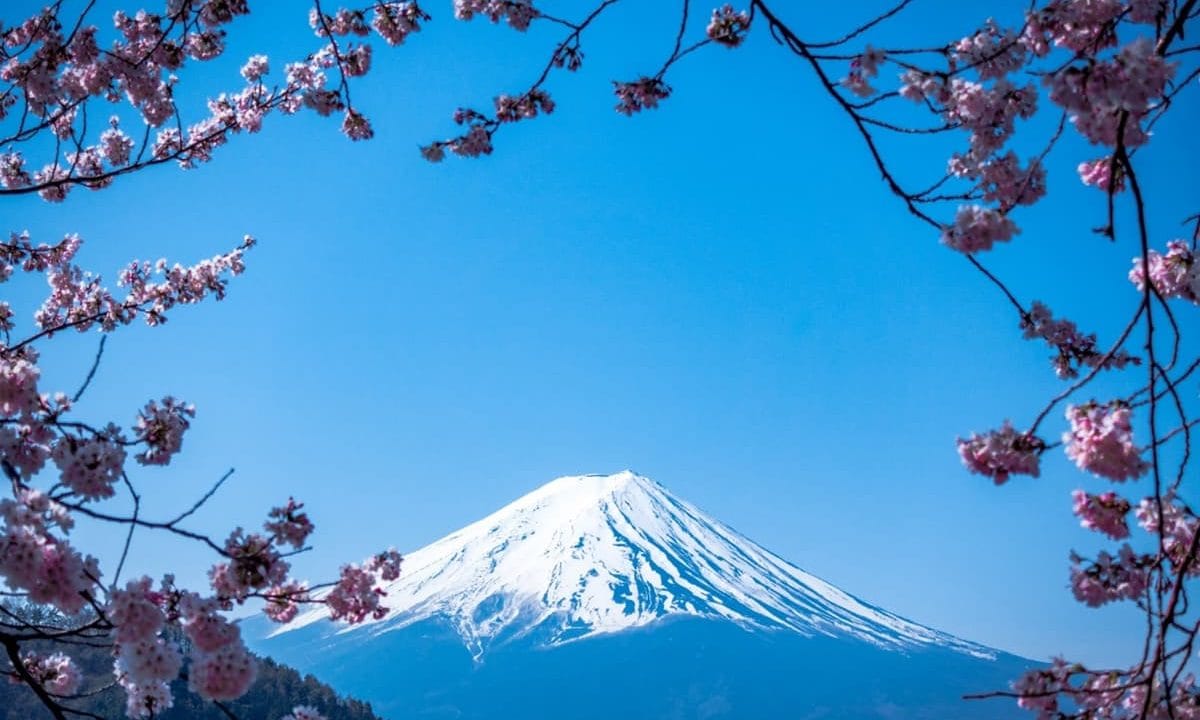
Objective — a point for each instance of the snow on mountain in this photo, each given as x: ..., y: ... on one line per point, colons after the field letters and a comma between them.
x: 596, y: 554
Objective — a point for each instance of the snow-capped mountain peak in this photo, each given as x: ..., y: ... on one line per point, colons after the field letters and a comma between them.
x: 592, y: 554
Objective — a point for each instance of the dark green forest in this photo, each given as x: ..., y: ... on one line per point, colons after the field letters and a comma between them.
x: 276, y: 691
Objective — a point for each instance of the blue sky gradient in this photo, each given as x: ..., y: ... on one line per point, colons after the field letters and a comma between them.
x: 719, y: 294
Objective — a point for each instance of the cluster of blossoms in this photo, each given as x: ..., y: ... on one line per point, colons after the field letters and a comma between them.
x: 1100, y: 173
x: 477, y: 140
x: 304, y: 712
x: 977, y: 228
x: 1104, y: 96
x: 518, y: 13
x: 55, y: 672
x: 1123, y: 577
x: 356, y: 597
x: 1103, y: 513
x: 38, y: 562
x: 289, y: 524
x: 525, y: 107
x: 727, y: 26
x: 1001, y: 453
x: 1105, y: 695
x: 1175, y: 274
x: 1177, y: 529
x: 991, y: 51
x: 862, y: 70
x: 90, y: 466
x: 1003, y: 181
x: 1100, y: 441
x: 219, y: 665
x: 641, y: 94
x: 161, y: 428
x: 393, y: 21
x: 1075, y: 350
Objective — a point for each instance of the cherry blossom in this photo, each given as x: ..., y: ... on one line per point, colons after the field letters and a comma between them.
x: 304, y: 712
x: 1100, y: 441
x: 223, y: 674
x: 283, y: 601
x: 1001, y: 453
x: 161, y: 428
x: 977, y: 228
x: 641, y: 94
x: 355, y: 597
x: 1075, y: 350
x: 518, y: 13
x: 1110, y: 578
x: 135, y: 612
x: 56, y: 672
x: 728, y: 26
x: 1099, y: 173
x: 1103, y: 513
x: 1174, y: 274
x: 145, y: 700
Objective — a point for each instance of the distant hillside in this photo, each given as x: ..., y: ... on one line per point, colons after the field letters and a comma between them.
x: 277, y: 690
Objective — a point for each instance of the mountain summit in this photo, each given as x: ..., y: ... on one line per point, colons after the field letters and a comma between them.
x: 602, y: 596
x: 591, y: 554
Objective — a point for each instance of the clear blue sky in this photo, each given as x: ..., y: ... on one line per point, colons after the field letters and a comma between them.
x: 720, y: 295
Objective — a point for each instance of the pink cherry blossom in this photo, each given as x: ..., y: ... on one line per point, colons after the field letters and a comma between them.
x: 518, y: 13
x: 1075, y: 349
x: 283, y: 601
x: 395, y: 21
x: 289, y: 524
x: 304, y: 712
x: 356, y: 126
x: 1100, y: 441
x: 90, y: 466
x: 1103, y: 513
x: 1175, y: 274
x: 1037, y: 689
x: 1110, y: 579
x: 55, y: 672
x: 728, y: 27
x: 204, y: 625
x: 992, y: 51
x: 148, y: 661
x: 1177, y: 528
x: 355, y: 597
x: 1099, y: 173
x: 223, y: 674
x: 161, y: 428
x: 387, y: 564
x: 510, y: 109
x: 255, y: 68
x: 642, y: 94
x: 145, y: 700
x: 977, y: 228
x: 1000, y: 453
x: 135, y: 611
x: 18, y: 385
x: 254, y: 564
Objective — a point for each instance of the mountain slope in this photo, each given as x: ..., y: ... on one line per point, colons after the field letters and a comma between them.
x: 605, y: 596
x: 594, y: 554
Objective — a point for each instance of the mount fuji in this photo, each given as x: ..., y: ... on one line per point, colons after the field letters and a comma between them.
x: 600, y: 596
